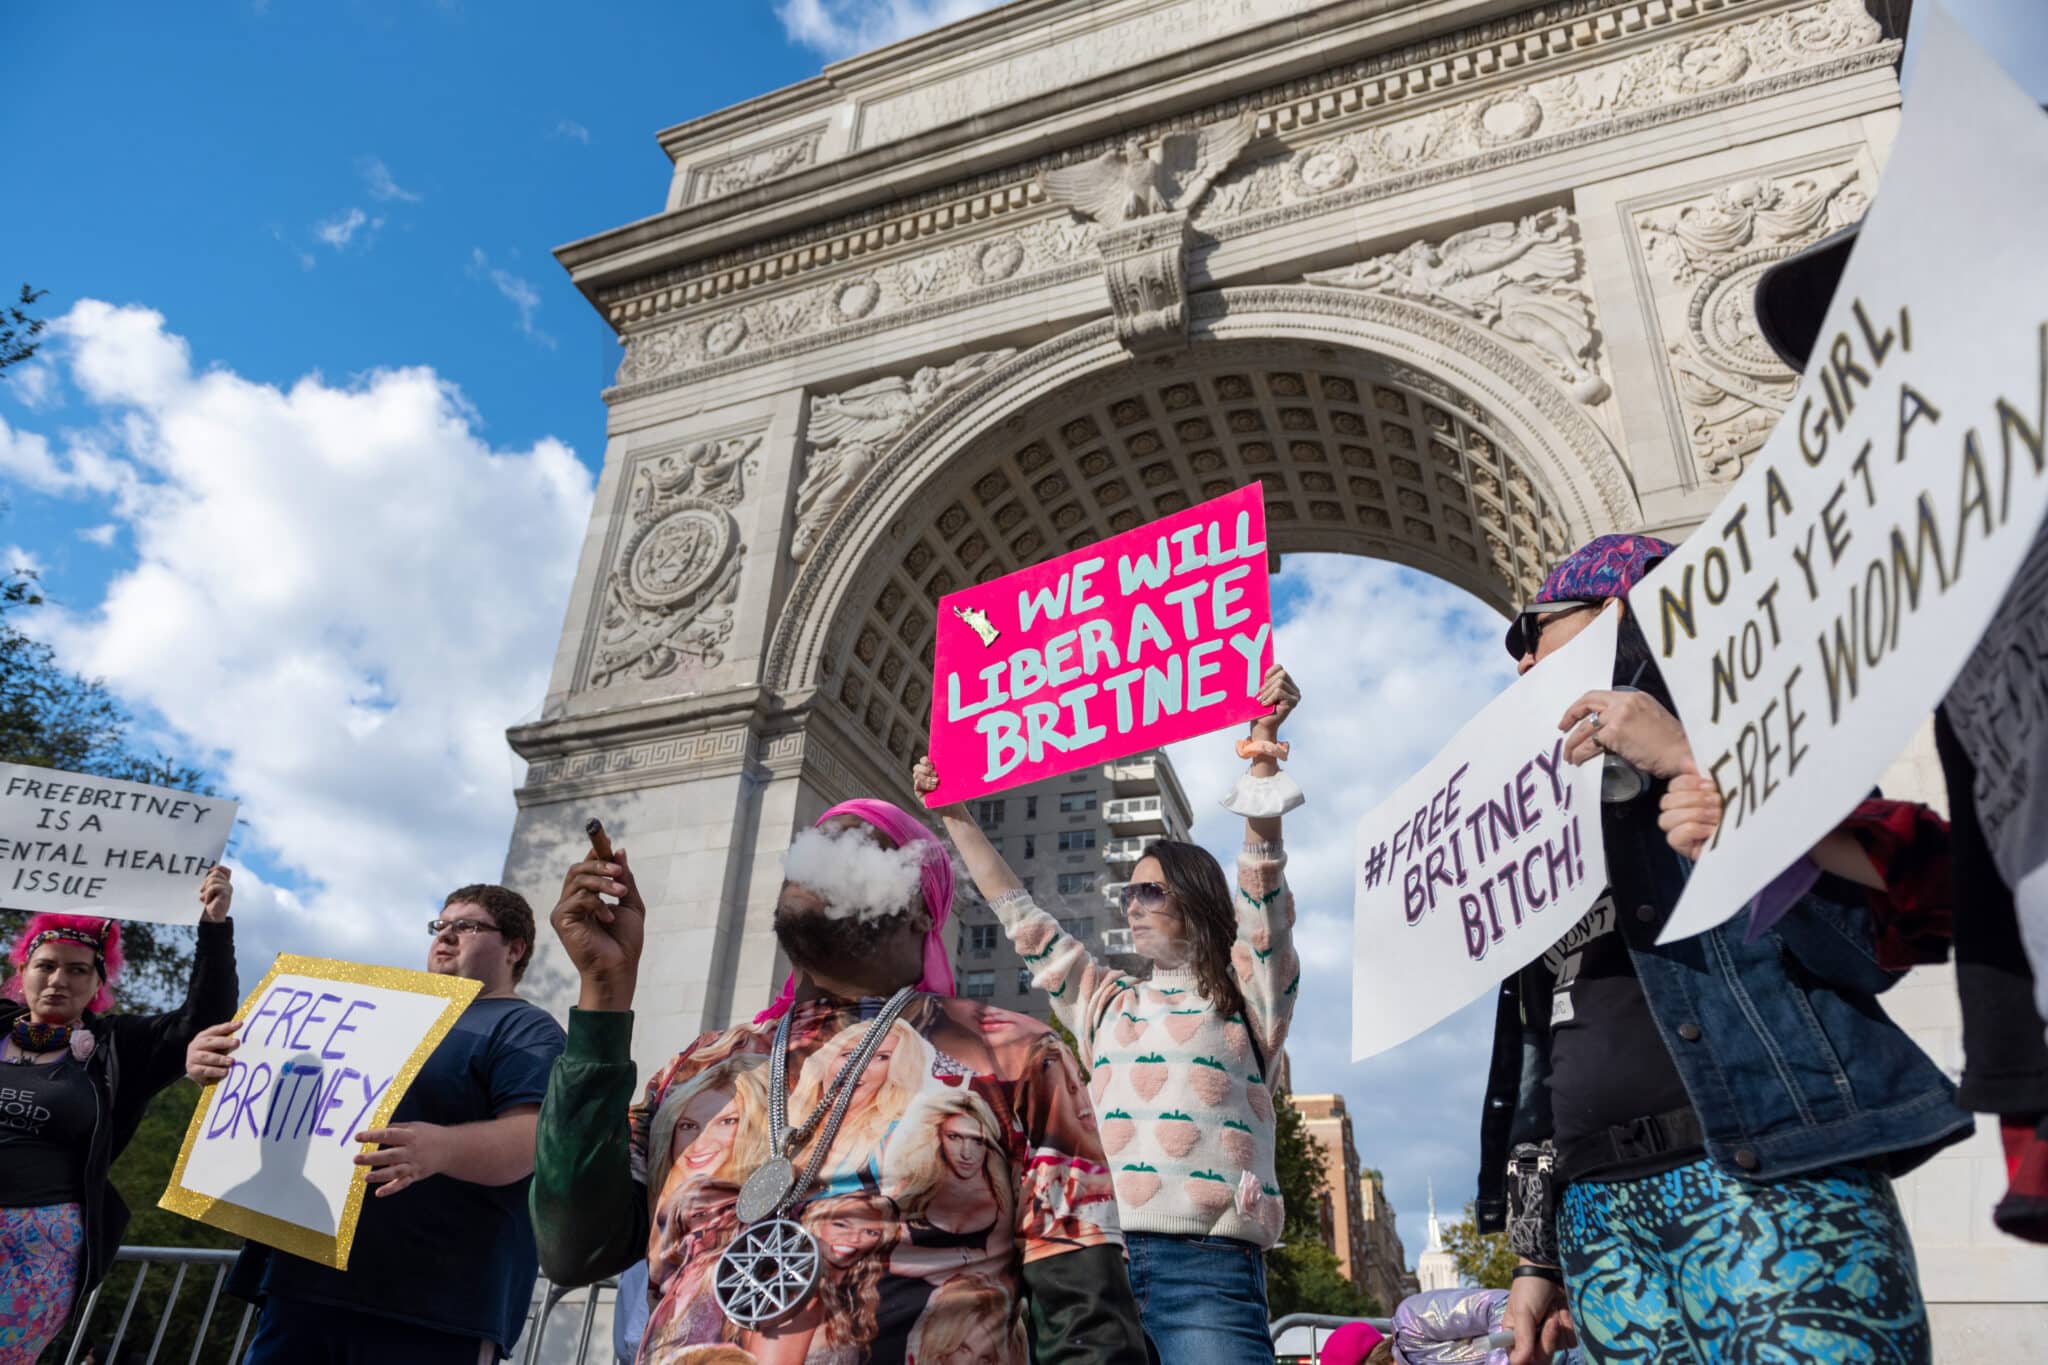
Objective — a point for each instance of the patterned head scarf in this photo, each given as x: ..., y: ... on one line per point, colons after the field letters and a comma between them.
x: 936, y: 877
x: 1604, y: 567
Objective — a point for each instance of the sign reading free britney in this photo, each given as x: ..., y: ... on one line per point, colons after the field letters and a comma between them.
x: 327, y: 1050
x: 1152, y: 636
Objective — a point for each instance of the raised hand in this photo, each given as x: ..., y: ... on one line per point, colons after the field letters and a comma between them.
x: 924, y: 779
x: 207, y: 1055
x: 1277, y: 690
x: 1689, y: 811
x: 603, y: 938
x: 216, y: 893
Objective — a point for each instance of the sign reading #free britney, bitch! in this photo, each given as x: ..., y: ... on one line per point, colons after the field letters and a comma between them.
x: 327, y: 1050
x: 1155, y: 635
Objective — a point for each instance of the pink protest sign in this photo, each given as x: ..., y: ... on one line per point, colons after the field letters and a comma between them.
x: 1151, y: 636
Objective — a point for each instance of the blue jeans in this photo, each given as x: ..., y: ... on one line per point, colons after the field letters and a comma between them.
x: 1202, y: 1299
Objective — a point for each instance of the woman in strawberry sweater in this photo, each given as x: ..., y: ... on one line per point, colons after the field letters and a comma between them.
x: 1180, y: 1058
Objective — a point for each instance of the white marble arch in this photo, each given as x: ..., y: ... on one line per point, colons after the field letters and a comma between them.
x: 1559, y: 445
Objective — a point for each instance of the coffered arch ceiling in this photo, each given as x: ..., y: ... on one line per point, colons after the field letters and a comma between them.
x: 1356, y: 453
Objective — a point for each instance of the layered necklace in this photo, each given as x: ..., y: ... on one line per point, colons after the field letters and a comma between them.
x: 771, y: 1269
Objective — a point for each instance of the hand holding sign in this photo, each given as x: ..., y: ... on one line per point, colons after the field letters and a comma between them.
x: 216, y: 894
x: 1277, y: 690
x: 1630, y: 725
x: 407, y: 1153
x: 1689, y: 811
x: 603, y: 939
x: 210, y: 1054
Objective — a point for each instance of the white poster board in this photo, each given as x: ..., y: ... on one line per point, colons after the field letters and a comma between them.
x: 1813, y: 621
x: 328, y: 1049
x: 74, y: 843
x: 1483, y: 859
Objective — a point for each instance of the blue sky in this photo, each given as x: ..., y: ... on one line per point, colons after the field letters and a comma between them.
x: 309, y: 458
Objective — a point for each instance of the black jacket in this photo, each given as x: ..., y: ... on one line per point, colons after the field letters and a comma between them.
x: 135, y: 1056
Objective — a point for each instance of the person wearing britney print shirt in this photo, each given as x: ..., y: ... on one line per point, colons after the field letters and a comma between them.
x: 961, y: 1174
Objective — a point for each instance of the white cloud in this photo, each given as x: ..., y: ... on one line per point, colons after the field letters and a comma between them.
x: 102, y: 535
x: 14, y: 559
x: 840, y: 28
x: 1390, y: 664
x: 339, y: 597
x: 516, y: 289
x: 340, y: 231
x: 570, y: 130
x: 34, y: 383
x: 377, y: 179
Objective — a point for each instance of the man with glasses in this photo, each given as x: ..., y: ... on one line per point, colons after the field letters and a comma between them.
x: 444, y: 1262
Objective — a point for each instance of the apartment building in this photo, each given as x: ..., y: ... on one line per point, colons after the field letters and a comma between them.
x: 1344, y: 1230
x: 1381, y: 1270
x: 1073, y: 839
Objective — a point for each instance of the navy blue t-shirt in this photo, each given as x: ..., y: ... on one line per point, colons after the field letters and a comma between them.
x: 444, y: 1253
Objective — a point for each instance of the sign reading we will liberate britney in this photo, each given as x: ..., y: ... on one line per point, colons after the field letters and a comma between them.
x: 1152, y: 636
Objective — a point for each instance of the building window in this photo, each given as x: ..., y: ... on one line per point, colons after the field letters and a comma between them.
x: 1030, y: 885
x: 981, y: 938
x: 1031, y: 846
x: 1073, y: 802
x: 1082, y: 928
x: 1074, y: 840
x: 1076, y: 883
x: 1023, y: 981
x: 980, y: 986
x: 1030, y: 808
x: 988, y: 813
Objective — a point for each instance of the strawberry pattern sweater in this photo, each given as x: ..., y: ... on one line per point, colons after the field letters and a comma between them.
x: 1180, y: 1091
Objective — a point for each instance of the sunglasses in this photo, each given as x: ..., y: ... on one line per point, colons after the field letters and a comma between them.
x: 1148, y: 896
x: 1528, y: 624
x: 437, y: 927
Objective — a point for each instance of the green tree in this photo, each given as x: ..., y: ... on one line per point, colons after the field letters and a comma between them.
x: 19, y: 329
x: 1302, y: 1273
x: 51, y: 717
x: 1485, y: 1258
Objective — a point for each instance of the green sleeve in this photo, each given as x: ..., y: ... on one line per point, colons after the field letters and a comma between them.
x: 589, y: 1213
x: 1082, y: 1312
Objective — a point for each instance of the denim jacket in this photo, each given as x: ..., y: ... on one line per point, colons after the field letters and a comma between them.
x: 1784, y: 1051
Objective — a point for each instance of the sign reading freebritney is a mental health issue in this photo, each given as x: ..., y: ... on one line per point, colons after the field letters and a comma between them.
x: 1483, y: 859
x: 1816, y: 617
x: 101, y: 846
x: 327, y: 1050
x: 1152, y: 636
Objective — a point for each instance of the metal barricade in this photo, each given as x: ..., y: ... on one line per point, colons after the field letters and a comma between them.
x: 180, y: 1262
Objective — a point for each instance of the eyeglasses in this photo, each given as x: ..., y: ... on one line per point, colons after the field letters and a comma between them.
x: 438, y: 927
x: 1529, y: 623
x: 1142, y: 897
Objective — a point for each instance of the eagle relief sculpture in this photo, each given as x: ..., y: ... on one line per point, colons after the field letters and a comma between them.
x: 1141, y: 199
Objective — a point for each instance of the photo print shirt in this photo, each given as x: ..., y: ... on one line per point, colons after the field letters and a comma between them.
x: 968, y: 1150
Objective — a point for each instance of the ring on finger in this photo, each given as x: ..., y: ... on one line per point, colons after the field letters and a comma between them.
x: 1593, y: 719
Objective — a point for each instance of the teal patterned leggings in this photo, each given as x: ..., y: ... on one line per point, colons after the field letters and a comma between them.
x: 1694, y: 1267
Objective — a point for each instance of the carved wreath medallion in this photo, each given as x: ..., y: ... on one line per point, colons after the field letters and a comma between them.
x: 670, y: 561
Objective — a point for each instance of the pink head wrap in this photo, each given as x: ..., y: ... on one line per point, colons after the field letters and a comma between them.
x: 903, y: 829
x: 103, y: 936
x: 1350, y: 1344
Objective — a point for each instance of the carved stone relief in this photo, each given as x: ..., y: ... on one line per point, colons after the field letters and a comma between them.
x: 1312, y: 177
x: 1705, y: 256
x: 849, y: 431
x: 1524, y: 280
x: 668, y: 598
x: 1142, y: 200
x: 756, y: 167
x: 1505, y: 124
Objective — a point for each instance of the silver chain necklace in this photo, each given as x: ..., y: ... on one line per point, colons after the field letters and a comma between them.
x: 771, y: 1268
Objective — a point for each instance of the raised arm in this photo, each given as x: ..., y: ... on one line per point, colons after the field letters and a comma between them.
x: 1268, y: 970
x: 1060, y: 965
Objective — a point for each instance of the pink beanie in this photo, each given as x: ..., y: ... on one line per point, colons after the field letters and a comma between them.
x: 1350, y: 1344
x: 936, y: 873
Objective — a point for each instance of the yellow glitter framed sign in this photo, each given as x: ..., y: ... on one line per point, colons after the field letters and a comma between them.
x: 328, y: 1050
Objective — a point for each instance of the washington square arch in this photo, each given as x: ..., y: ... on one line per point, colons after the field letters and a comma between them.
x: 1460, y: 282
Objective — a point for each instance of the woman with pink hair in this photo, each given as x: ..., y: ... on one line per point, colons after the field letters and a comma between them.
x: 74, y: 1081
